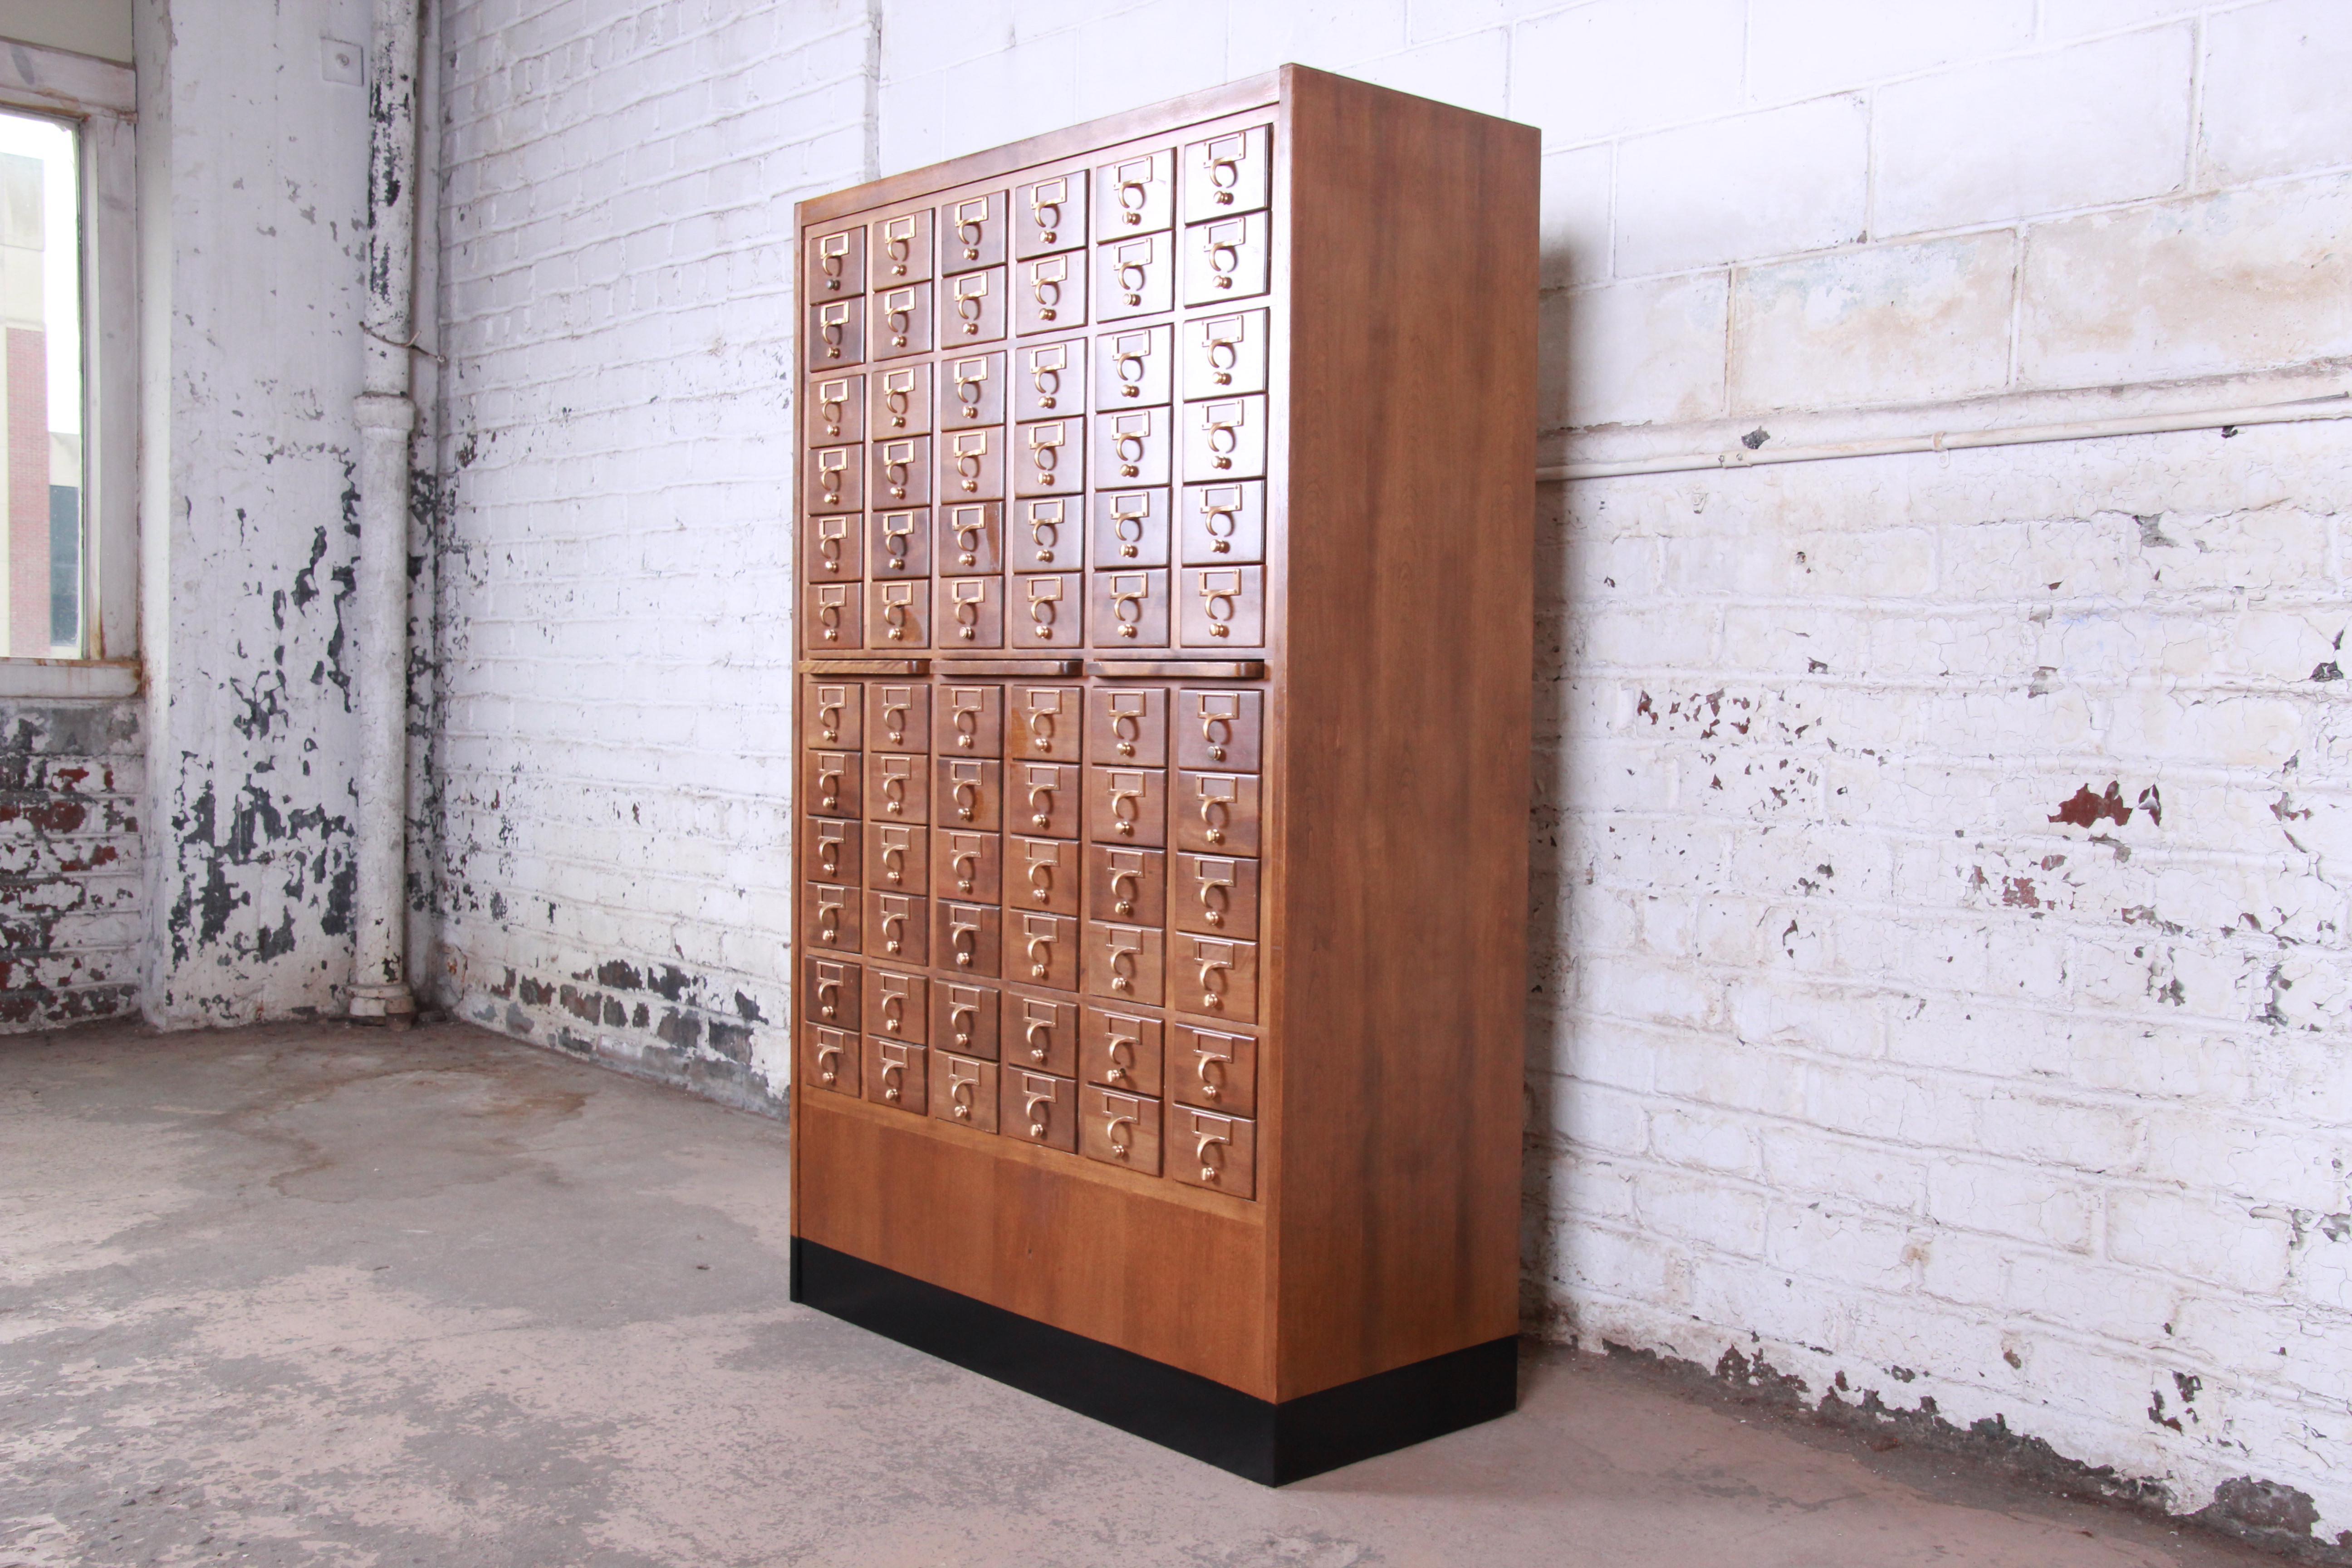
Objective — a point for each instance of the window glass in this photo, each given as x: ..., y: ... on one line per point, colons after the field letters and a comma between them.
x: 40, y: 388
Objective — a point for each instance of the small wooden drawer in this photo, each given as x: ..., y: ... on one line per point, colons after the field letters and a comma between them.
x: 1121, y: 1130
x: 975, y: 393
x: 1121, y: 1051
x: 1126, y: 963
x: 1224, y: 438
x: 1230, y: 172
x: 1049, y: 293
x: 964, y: 1018
x: 1049, y: 610
x: 1130, y: 529
x: 1215, y: 977
x: 1129, y: 885
x: 1041, y: 1034
x: 971, y: 721
x: 1049, y: 379
x: 829, y: 549
x: 837, y: 479
x: 970, y: 793
x: 900, y: 400
x: 1041, y: 949
x: 899, y: 786
x: 968, y: 613
x: 1129, y: 610
x: 1132, y: 447
x: 834, y: 616
x: 897, y: 1006
x: 1050, y: 215
x: 1045, y: 723
x: 1224, y: 356
x: 964, y: 1090
x: 972, y: 308
x: 1217, y: 812
x: 972, y: 464
x: 829, y: 917
x: 1135, y: 277
x: 836, y: 335
x: 971, y: 541
x: 829, y: 850
x: 833, y: 714
x: 1222, y: 606
x: 965, y: 937
x: 829, y: 992
x: 1224, y: 524
x: 1127, y: 726
x: 1226, y: 258
x: 1044, y: 800
x: 830, y: 783
x: 901, y: 323
x: 899, y: 249
x: 1038, y: 1108
x: 1044, y: 873
x: 972, y: 232
x: 897, y: 927
x: 1213, y: 1071
x: 1049, y: 456
x: 830, y: 1058
x: 902, y: 471
x: 897, y: 1073
x: 970, y: 866
x: 1135, y: 194
x: 836, y: 263
x: 897, y: 857
x: 1127, y: 807
x: 1216, y: 895
x: 898, y: 614
x: 1045, y: 534
x: 1135, y: 367
x: 1218, y: 1152
x: 898, y: 716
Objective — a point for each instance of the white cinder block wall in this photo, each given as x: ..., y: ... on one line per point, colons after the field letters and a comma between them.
x: 1939, y: 992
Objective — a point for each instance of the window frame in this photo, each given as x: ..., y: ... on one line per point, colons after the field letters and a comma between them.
x: 100, y: 97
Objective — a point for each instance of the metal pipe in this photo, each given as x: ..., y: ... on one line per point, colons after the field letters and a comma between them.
x: 387, y: 414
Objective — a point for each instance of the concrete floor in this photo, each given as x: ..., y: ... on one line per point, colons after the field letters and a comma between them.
x: 322, y: 1296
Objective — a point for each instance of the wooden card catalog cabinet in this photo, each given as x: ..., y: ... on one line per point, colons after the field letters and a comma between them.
x: 1165, y: 550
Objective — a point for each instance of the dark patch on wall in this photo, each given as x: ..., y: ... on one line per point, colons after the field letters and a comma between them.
x: 70, y: 891
x: 2082, y: 808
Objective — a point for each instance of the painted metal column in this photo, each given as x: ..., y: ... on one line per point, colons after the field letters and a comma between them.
x: 387, y: 418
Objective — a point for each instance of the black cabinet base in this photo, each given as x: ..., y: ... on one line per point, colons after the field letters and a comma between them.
x: 1265, y: 1442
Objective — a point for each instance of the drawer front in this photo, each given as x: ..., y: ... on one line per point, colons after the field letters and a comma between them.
x: 902, y: 402
x: 1128, y: 725
x: 1044, y: 535
x: 971, y: 721
x: 897, y: 1073
x: 897, y: 1006
x: 836, y: 478
x: 1135, y: 368
x: 1212, y: 1071
x: 1217, y: 812
x: 899, y: 717
x: 1045, y: 801
x: 1135, y: 194
x: 830, y: 1058
x: 897, y: 926
x: 836, y: 335
x: 899, y: 786
x: 1130, y: 609
x: 1135, y: 277
x: 1129, y: 885
x: 1045, y: 874
x: 1219, y: 730
x: 1050, y: 215
x: 899, y: 250
x: 829, y: 783
x: 964, y: 1091
x: 1038, y: 1108
x: 1132, y: 447
x: 830, y: 850
x: 1218, y: 1152
x: 1049, y: 457
x: 829, y: 916
x: 899, y: 615
x: 829, y: 992
x: 829, y: 550
x: 1041, y: 949
x: 968, y: 867
x: 1215, y: 977
x: 1127, y: 807
x: 975, y: 392
x: 970, y: 542
x: 836, y: 615
x: 964, y: 1018
x: 1041, y: 1034
x: 836, y: 263
x: 1130, y: 529
x: 968, y: 613
x: 1226, y: 258
x: 1124, y: 963
x: 972, y: 464
x: 1224, y: 438
x: 1223, y: 607
x: 833, y: 714
x: 898, y: 858
x: 1045, y: 723
x: 972, y: 232
x: 972, y: 308
x: 901, y: 324
x: 902, y: 471
x: 900, y: 545
x: 966, y: 937
x: 970, y: 793
x: 1049, y: 293
x: 1216, y: 895
x: 1049, y: 610
x: 1224, y: 524
x: 1119, y: 1129
x: 1224, y: 356
x: 1233, y: 173
x: 1122, y: 1051
x: 836, y: 410
x: 1049, y: 380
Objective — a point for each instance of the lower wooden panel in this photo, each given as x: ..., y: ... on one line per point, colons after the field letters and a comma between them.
x: 1164, y: 1278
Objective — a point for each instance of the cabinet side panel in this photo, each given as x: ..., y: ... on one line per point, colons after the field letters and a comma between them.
x: 1404, y: 771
